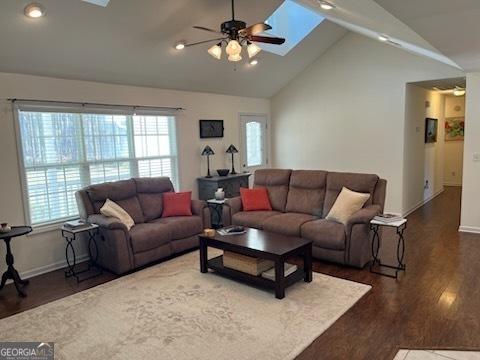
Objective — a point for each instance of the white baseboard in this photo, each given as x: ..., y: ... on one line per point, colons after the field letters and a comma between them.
x: 469, y: 229
x: 452, y: 184
x: 423, y: 202
x: 48, y: 268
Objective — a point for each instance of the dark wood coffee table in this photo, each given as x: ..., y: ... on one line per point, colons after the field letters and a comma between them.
x: 260, y: 244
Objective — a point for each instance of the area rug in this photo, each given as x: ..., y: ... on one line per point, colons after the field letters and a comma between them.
x: 172, y: 311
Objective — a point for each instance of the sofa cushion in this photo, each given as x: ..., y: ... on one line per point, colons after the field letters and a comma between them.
x: 149, y: 236
x: 276, y: 181
x: 252, y: 219
x: 307, y: 191
x: 177, y: 204
x: 182, y: 226
x: 287, y: 224
x: 364, y: 183
x: 255, y: 199
x: 150, y: 196
x: 325, y: 234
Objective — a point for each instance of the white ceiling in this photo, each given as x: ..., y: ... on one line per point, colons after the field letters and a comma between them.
x: 451, y: 26
x: 131, y: 42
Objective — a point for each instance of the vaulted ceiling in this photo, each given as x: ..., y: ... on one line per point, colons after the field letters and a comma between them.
x: 131, y: 42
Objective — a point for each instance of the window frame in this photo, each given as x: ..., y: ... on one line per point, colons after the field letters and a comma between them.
x: 47, y: 107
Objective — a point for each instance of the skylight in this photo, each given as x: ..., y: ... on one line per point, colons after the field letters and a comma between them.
x: 293, y: 22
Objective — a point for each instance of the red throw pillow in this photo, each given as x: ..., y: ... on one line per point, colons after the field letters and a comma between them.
x: 255, y: 199
x: 177, y: 204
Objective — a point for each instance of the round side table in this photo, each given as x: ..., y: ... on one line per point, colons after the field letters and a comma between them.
x: 11, y: 272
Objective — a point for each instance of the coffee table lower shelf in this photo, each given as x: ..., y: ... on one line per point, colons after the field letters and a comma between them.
x: 216, y: 264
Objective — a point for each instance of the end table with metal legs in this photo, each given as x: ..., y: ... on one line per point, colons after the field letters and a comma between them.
x: 400, y: 227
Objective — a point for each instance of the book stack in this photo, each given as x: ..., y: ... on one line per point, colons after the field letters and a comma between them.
x: 76, y: 225
x: 387, y: 218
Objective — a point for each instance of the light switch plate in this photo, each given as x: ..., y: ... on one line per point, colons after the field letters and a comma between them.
x: 476, y: 156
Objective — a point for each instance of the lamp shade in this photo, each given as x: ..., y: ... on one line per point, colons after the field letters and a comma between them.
x: 232, y: 149
x: 208, y: 151
x: 233, y: 48
x: 234, y: 58
x: 216, y: 51
x: 253, y: 49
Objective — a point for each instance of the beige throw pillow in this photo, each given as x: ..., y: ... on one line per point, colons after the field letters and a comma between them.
x: 112, y: 209
x: 348, y: 202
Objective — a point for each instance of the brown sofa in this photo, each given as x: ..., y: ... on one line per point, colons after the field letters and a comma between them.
x: 153, y: 237
x: 300, y: 201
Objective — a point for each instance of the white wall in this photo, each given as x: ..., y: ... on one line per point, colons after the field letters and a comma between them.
x: 422, y: 162
x: 454, y: 107
x: 42, y: 252
x: 346, y: 111
x: 470, y: 220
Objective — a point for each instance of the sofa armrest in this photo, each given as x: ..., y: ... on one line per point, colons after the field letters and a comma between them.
x: 105, y: 222
x: 200, y: 208
x: 364, y: 216
x: 230, y: 208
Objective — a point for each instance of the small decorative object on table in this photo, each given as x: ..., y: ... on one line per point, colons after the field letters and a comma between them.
x: 4, y: 228
x: 220, y: 194
x: 11, y: 272
x: 232, y: 150
x: 223, y: 172
x: 209, y: 232
x: 207, y: 151
x: 70, y: 230
x: 400, y: 224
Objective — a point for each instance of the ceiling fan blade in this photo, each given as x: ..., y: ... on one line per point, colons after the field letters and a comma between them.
x: 203, y: 42
x: 103, y: 3
x: 255, y: 29
x: 206, y: 29
x: 266, y: 39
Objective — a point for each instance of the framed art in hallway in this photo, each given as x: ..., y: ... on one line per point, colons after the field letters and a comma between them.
x: 455, y: 128
x: 431, y: 129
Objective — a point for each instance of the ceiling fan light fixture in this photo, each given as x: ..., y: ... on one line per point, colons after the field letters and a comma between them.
x: 34, y: 10
x: 325, y: 5
x: 235, y: 57
x: 180, y: 45
x: 233, y: 48
x: 216, y: 51
x: 253, y: 49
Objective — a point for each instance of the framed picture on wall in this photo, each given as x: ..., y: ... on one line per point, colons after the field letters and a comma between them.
x: 455, y: 128
x: 431, y: 128
x: 211, y: 129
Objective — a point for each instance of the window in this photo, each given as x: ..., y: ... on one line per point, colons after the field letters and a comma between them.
x: 292, y: 21
x: 254, y: 140
x: 65, y: 151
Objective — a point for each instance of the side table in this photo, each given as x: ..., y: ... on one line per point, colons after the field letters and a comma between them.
x: 70, y: 235
x: 399, y: 227
x: 11, y: 272
x: 217, y: 209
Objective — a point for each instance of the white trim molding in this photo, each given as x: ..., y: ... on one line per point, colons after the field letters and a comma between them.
x: 469, y: 229
x: 423, y: 202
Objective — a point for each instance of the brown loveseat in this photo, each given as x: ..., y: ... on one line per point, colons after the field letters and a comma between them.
x: 153, y: 237
x: 301, y: 199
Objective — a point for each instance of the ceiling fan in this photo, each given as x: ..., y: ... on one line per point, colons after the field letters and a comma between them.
x: 235, y: 34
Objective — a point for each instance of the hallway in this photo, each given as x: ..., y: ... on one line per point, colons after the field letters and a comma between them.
x: 434, y: 305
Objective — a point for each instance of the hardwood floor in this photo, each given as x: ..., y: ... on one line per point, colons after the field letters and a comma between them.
x: 434, y: 305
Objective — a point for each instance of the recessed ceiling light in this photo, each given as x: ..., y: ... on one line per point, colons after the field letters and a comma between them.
x: 325, y: 5
x: 253, y: 62
x: 383, y: 37
x: 180, y: 45
x: 34, y: 10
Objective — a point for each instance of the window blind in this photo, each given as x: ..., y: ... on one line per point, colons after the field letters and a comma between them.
x: 64, y: 150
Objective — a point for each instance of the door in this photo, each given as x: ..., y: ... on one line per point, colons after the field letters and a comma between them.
x: 254, y: 154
